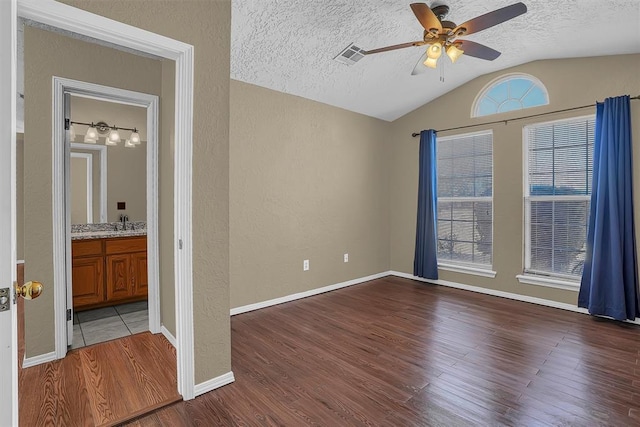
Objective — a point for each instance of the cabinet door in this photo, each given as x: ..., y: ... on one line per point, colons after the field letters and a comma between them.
x: 139, y: 261
x: 87, y: 275
x: 119, y: 277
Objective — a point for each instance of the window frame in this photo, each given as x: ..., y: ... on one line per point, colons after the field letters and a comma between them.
x: 484, y: 270
x: 531, y: 276
x: 475, y: 106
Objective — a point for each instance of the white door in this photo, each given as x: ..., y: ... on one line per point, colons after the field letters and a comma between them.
x: 8, y: 319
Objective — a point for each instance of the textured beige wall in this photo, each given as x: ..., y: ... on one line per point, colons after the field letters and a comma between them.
x: 165, y: 178
x: 570, y: 82
x: 19, y: 196
x: 205, y: 24
x: 46, y: 55
x: 307, y: 181
x: 126, y: 167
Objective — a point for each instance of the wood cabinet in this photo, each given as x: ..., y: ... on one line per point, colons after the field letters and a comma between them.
x: 108, y: 271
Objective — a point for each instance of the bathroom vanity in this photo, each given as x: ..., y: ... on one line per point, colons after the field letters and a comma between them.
x: 108, y: 268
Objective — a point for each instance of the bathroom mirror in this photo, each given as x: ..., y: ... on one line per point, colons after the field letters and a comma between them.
x: 107, y: 181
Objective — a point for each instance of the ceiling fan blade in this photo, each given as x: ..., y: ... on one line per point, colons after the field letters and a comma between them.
x: 477, y: 50
x: 420, y: 68
x: 394, y: 47
x: 427, y: 18
x: 490, y: 19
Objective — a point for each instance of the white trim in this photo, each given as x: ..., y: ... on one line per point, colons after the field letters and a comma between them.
x: 502, y: 294
x: 182, y: 222
x: 214, y: 383
x: 39, y: 359
x: 89, y: 182
x: 169, y: 336
x: 550, y: 282
x: 102, y: 152
x: 305, y: 294
x: 20, y: 261
x: 59, y: 15
x: 8, y: 99
x: 467, y: 269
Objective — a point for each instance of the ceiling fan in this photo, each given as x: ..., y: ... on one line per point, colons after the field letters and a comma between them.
x: 444, y: 35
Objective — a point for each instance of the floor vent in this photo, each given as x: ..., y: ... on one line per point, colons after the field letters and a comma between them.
x: 350, y: 55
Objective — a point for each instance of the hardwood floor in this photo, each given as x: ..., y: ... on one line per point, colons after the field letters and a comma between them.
x: 395, y: 352
x: 100, y: 385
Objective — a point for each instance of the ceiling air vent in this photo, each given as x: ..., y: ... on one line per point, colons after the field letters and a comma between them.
x: 350, y: 55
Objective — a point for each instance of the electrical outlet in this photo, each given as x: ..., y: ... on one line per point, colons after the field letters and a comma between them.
x: 305, y: 265
x: 346, y: 257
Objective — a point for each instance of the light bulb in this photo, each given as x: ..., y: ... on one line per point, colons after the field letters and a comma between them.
x: 431, y: 62
x: 135, y: 137
x: 454, y: 53
x: 92, y: 135
x: 113, y: 138
x: 434, y: 51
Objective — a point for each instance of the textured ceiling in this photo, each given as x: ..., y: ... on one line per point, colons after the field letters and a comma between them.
x: 289, y: 46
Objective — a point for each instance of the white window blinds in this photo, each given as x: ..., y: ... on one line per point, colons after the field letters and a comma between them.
x: 465, y: 199
x: 559, y: 166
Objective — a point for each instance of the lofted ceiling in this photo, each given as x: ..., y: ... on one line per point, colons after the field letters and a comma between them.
x: 289, y: 46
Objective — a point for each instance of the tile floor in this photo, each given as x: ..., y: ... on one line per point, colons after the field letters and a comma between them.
x: 108, y: 323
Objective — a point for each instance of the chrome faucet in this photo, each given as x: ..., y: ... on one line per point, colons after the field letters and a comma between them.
x: 123, y: 220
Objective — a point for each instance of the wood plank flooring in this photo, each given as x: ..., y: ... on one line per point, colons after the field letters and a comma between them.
x: 101, y: 385
x: 395, y: 352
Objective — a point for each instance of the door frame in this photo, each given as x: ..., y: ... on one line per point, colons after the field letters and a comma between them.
x: 63, y: 298
x: 64, y: 17
x: 8, y: 319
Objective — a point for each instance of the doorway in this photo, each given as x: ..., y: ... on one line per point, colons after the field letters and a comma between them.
x: 63, y: 17
x: 109, y: 279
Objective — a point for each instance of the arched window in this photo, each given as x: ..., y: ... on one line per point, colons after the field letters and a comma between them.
x: 508, y: 93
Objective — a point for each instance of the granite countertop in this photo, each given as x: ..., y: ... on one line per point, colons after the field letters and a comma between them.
x: 107, y: 230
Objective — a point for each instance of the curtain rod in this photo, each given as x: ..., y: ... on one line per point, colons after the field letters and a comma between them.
x: 516, y: 118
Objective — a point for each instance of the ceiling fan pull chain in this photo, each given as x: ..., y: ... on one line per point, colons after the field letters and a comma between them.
x: 442, y: 71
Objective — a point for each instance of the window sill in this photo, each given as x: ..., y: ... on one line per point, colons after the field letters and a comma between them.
x: 550, y: 282
x: 467, y: 269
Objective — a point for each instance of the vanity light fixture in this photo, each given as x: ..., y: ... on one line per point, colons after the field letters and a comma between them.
x: 111, y: 133
x: 92, y: 134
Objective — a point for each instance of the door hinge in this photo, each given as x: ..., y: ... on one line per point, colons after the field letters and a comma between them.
x: 68, y: 314
x: 67, y: 124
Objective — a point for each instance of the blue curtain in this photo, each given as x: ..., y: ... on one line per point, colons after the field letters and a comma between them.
x: 425, y: 262
x: 609, y: 283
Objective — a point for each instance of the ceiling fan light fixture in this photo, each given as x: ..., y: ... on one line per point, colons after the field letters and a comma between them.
x: 431, y: 62
x: 454, y: 53
x: 434, y: 50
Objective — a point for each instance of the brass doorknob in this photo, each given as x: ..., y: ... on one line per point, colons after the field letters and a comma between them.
x: 29, y: 290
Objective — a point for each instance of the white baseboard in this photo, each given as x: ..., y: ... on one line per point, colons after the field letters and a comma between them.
x: 39, y: 359
x: 169, y: 336
x: 299, y: 295
x: 214, y: 383
x: 502, y: 294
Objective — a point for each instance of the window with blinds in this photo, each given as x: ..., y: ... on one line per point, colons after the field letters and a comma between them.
x: 558, y: 170
x: 465, y: 199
